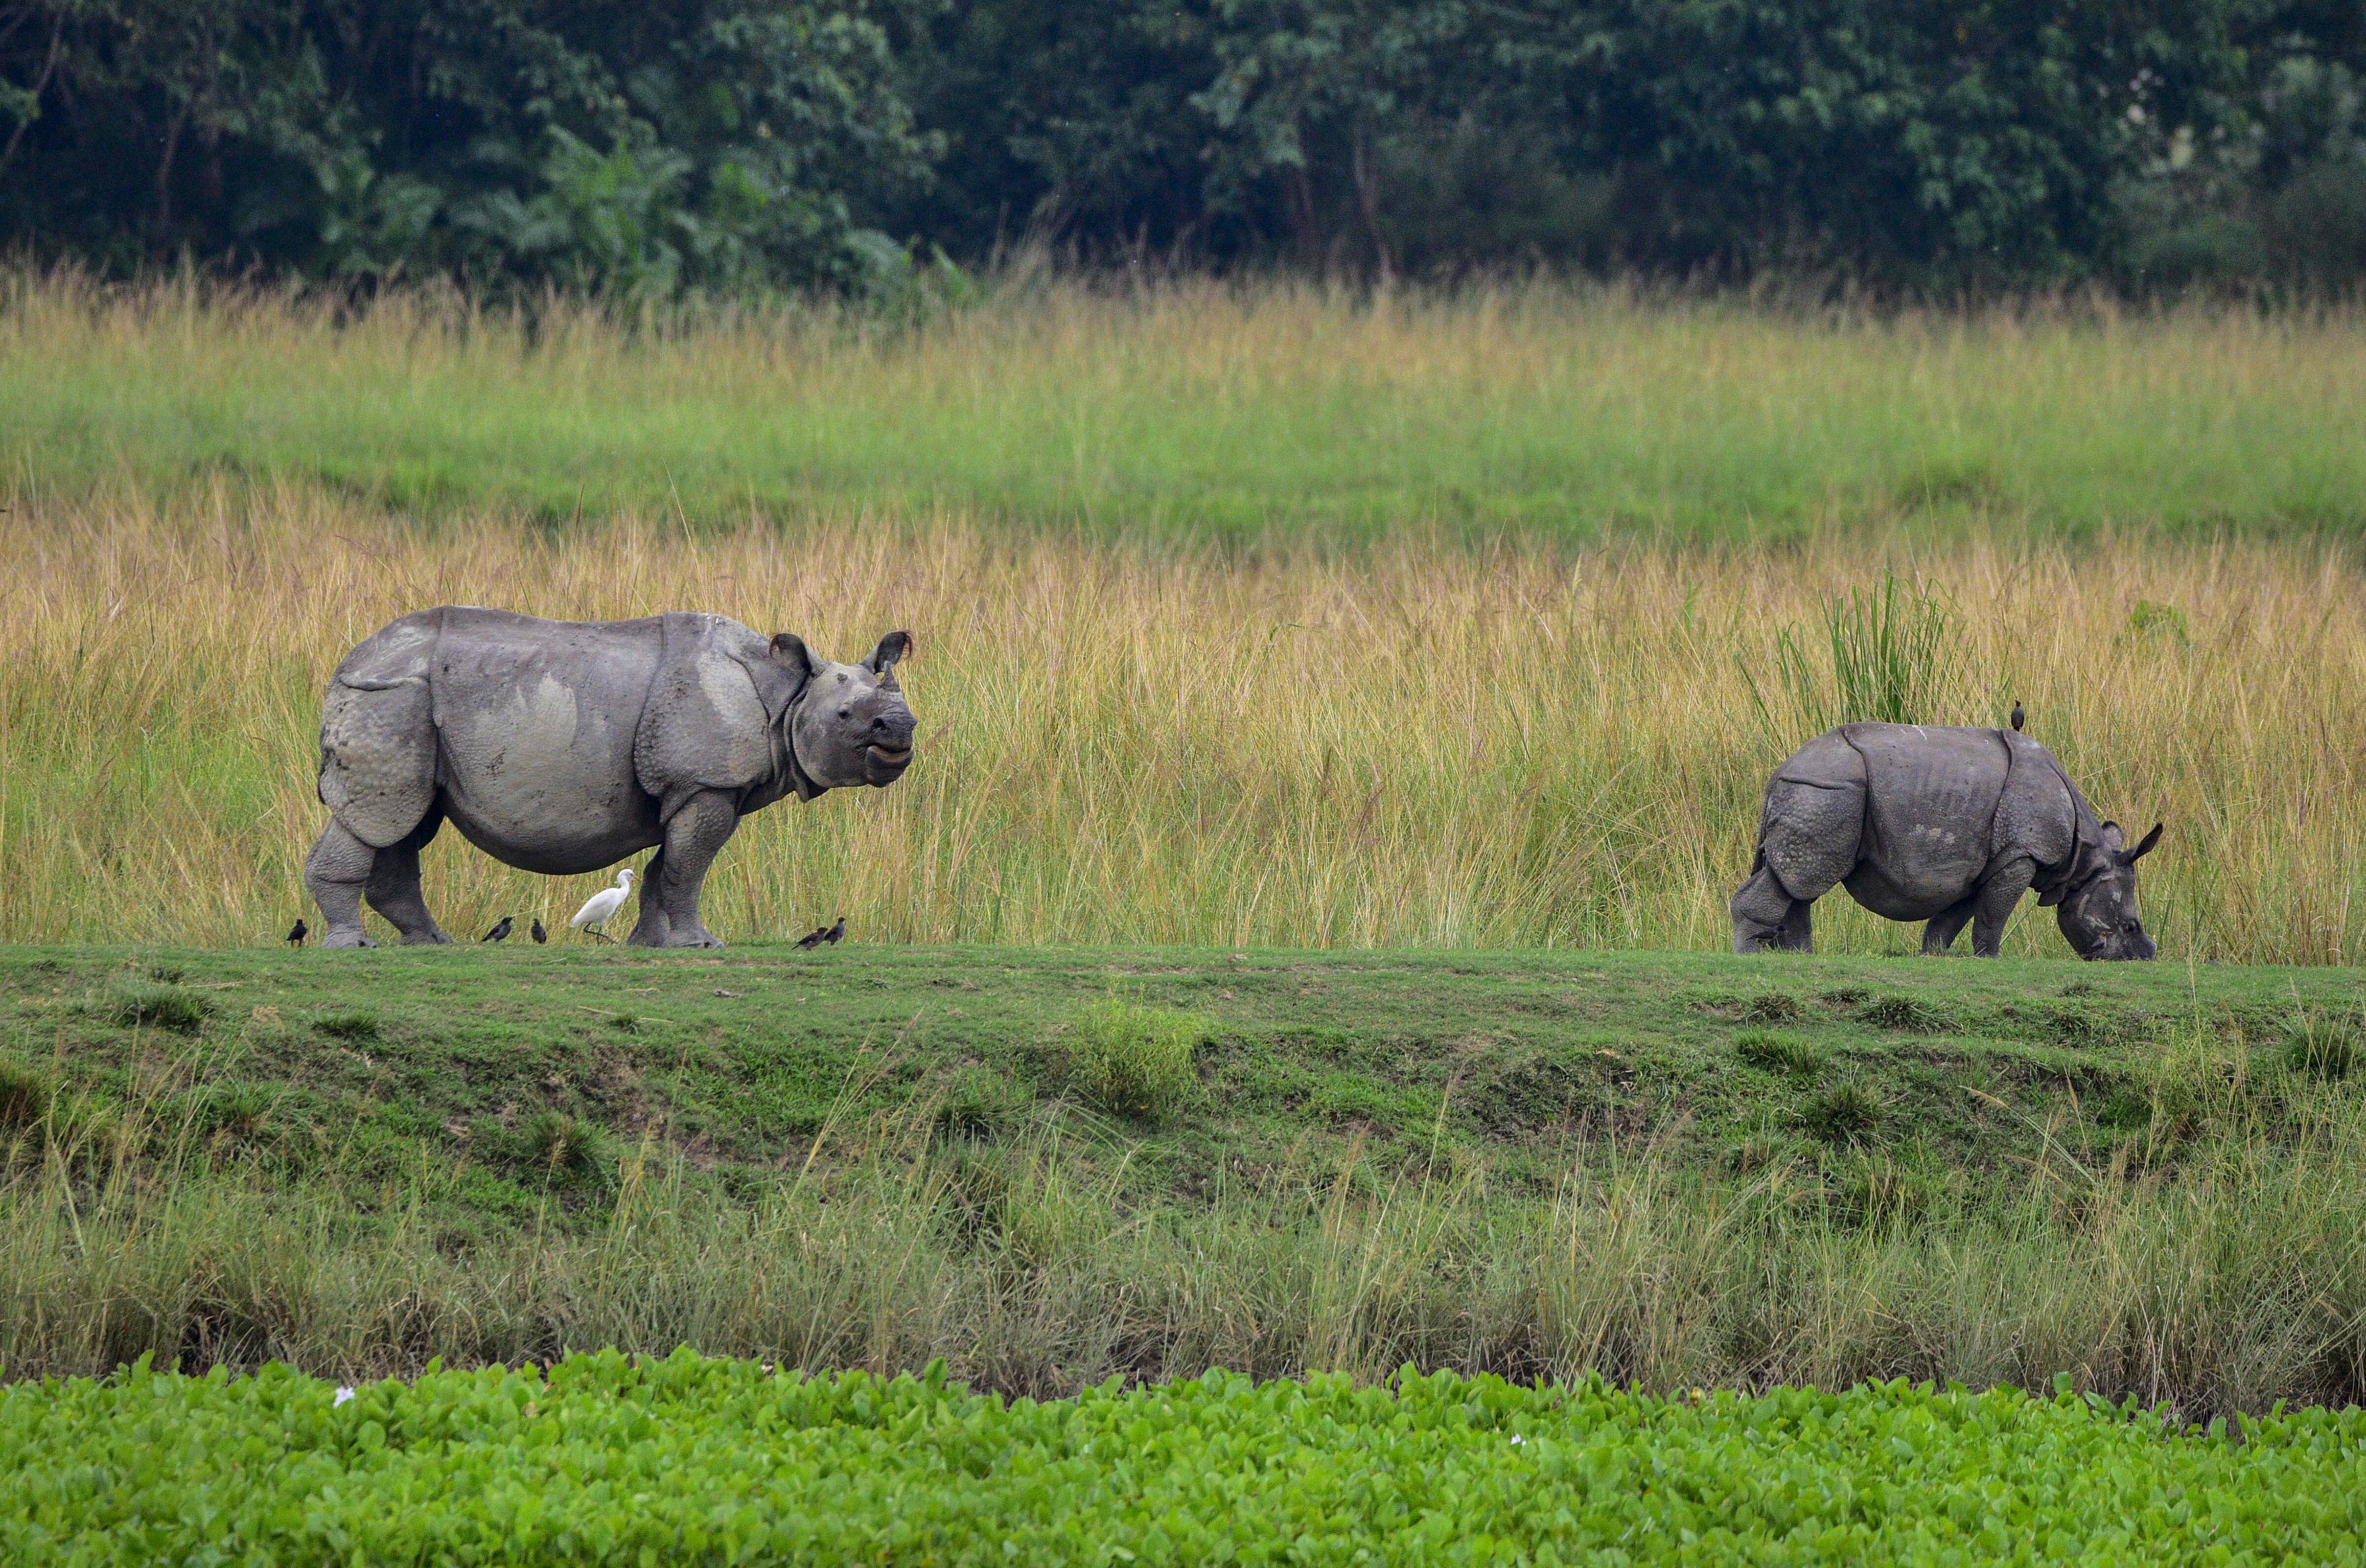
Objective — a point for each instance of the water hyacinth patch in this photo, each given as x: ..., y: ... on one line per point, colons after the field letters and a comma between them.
x: 601, y: 1458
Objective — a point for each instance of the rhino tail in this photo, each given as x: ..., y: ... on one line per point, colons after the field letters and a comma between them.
x: 377, y: 735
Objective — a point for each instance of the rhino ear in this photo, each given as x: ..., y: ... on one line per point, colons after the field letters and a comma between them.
x: 2114, y: 839
x: 2144, y: 845
x: 789, y: 651
x: 891, y: 648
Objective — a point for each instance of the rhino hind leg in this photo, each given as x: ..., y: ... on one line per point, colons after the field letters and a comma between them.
x: 695, y: 835
x: 393, y: 888
x: 337, y: 872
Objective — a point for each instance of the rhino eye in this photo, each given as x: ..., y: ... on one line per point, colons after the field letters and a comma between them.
x: 846, y: 713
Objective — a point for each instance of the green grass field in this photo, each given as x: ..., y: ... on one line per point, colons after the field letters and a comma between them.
x: 1679, y: 1169
x: 1192, y: 410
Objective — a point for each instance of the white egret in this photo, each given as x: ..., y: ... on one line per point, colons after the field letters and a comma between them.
x: 602, y: 904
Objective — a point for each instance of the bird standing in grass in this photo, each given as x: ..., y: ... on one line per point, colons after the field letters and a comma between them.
x: 501, y: 933
x: 2018, y: 716
x: 814, y: 937
x: 835, y: 934
x: 602, y: 904
x: 296, y: 933
x: 536, y: 931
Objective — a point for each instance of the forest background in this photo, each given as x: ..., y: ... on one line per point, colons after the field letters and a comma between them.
x: 759, y: 146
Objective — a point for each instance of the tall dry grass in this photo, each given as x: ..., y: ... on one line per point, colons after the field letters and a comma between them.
x: 1412, y: 744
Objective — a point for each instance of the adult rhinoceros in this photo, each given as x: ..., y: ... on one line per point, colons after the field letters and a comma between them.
x: 1946, y: 825
x: 562, y: 746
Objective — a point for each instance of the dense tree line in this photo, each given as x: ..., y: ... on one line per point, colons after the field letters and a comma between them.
x: 730, y: 145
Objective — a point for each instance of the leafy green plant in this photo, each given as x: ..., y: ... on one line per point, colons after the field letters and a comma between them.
x: 766, y: 1465
x: 1133, y: 1060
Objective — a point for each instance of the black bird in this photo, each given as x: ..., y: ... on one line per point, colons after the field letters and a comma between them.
x: 835, y: 934
x: 814, y: 937
x: 2017, y: 714
x: 538, y: 933
x: 501, y: 933
x: 296, y: 933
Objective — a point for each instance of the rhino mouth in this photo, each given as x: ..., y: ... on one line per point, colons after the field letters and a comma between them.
x: 894, y: 758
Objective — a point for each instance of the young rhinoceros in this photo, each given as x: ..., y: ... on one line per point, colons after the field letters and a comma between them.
x: 1946, y: 825
x: 562, y: 746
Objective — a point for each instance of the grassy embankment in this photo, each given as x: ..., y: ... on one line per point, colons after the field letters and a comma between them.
x: 1676, y: 1169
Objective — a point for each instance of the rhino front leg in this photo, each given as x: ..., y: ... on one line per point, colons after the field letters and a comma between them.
x: 1767, y: 915
x: 335, y: 872
x: 1947, y: 925
x: 393, y: 888
x: 1995, y: 902
x: 694, y: 835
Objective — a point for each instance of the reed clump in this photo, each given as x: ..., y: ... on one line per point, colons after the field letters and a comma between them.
x: 1421, y: 744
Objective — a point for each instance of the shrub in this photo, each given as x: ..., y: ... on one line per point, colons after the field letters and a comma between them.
x: 24, y: 1096
x: 1776, y: 1053
x: 160, y: 1007
x: 1907, y: 1014
x: 978, y: 1101
x: 1844, y: 1115
x: 236, y: 1113
x: 561, y: 1147
x: 2322, y: 1046
x: 1131, y: 1060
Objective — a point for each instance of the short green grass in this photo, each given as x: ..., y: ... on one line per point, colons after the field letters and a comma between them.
x: 502, y: 1083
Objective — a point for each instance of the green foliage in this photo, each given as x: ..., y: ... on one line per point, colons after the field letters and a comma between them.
x: 635, y: 151
x: 1133, y: 1060
x: 601, y: 1458
x: 728, y: 145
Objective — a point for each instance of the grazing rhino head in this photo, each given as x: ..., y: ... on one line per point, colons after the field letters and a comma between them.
x: 849, y: 724
x: 2098, y: 915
